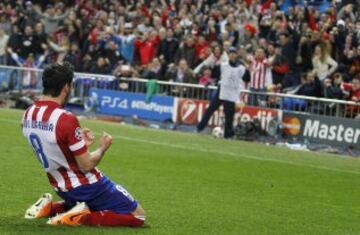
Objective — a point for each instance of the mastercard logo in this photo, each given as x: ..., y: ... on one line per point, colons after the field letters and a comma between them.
x: 292, y: 125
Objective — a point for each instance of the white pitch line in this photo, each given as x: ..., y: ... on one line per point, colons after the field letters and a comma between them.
x: 183, y: 147
x: 232, y: 154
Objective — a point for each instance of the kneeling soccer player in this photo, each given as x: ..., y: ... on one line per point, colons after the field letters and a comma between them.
x: 62, y: 148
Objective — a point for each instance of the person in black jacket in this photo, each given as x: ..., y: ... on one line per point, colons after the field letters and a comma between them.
x: 288, y: 52
x: 41, y: 37
x: 187, y: 52
x: 333, y: 89
x: 112, y: 54
x: 310, y: 86
x: 28, y: 43
x: 168, y: 47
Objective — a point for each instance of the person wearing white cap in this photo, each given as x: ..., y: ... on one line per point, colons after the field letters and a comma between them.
x: 340, y: 22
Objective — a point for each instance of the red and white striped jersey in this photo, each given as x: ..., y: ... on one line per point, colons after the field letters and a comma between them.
x: 55, y: 136
x: 261, y: 75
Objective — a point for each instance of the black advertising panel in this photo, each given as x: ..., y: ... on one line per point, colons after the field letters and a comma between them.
x: 341, y: 132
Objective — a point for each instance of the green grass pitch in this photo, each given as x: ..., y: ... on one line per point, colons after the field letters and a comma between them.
x: 195, y: 184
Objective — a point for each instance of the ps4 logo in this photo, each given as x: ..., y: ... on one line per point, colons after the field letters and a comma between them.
x: 114, y: 102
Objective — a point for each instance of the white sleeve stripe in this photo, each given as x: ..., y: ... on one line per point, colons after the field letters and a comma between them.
x: 77, y: 146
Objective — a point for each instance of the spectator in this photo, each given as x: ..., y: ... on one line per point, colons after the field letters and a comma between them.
x: 4, y: 38
x: 172, y: 31
x: 288, y: 53
x: 180, y: 73
x: 248, y: 39
x: 201, y: 48
x: 5, y: 24
x: 112, y: 54
x: 127, y: 39
x: 124, y: 70
x: 74, y: 57
x: 51, y: 17
x: 354, y: 68
x: 354, y: 89
x: 29, y: 78
x: 86, y: 63
x: 13, y: 42
x: 279, y: 64
x: 323, y: 64
x: 304, y: 52
x: 347, y: 12
x: 60, y: 49
x: 334, y: 89
x: 310, y: 86
x: 29, y: 12
x: 187, y: 52
x: 146, y: 46
x: 216, y: 57
x: 261, y: 76
x: 154, y: 70
x: 205, y: 79
x: 41, y: 37
x: 102, y: 66
x: 27, y: 43
x: 168, y: 47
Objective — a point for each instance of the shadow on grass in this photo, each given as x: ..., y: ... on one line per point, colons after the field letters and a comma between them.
x: 16, y: 225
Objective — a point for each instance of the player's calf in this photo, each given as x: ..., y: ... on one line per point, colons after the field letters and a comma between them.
x: 110, y: 218
x: 81, y: 215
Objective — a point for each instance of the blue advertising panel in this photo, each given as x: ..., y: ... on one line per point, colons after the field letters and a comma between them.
x: 159, y: 108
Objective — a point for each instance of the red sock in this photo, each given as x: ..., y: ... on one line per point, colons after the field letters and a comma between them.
x: 109, y: 218
x: 57, y: 207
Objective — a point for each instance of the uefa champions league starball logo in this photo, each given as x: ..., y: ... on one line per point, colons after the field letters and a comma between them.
x: 78, y: 133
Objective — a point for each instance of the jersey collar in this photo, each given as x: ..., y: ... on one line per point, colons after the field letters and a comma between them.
x: 47, y: 103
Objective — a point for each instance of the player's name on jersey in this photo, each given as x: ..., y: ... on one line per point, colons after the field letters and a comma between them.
x: 45, y: 126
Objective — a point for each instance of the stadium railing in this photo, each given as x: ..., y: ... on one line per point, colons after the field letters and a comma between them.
x: 21, y: 81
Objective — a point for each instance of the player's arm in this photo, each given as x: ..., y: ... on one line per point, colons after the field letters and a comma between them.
x: 68, y: 131
x: 89, y: 160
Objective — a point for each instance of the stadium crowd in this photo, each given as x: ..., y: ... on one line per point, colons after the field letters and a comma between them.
x: 312, y: 47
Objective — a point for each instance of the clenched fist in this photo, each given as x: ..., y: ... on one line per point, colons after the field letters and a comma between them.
x: 105, y: 141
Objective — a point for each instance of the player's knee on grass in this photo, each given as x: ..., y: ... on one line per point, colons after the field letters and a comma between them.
x: 139, y: 214
x: 139, y: 211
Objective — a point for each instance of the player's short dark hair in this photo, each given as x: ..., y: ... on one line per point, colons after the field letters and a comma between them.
x: 55, y: 77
